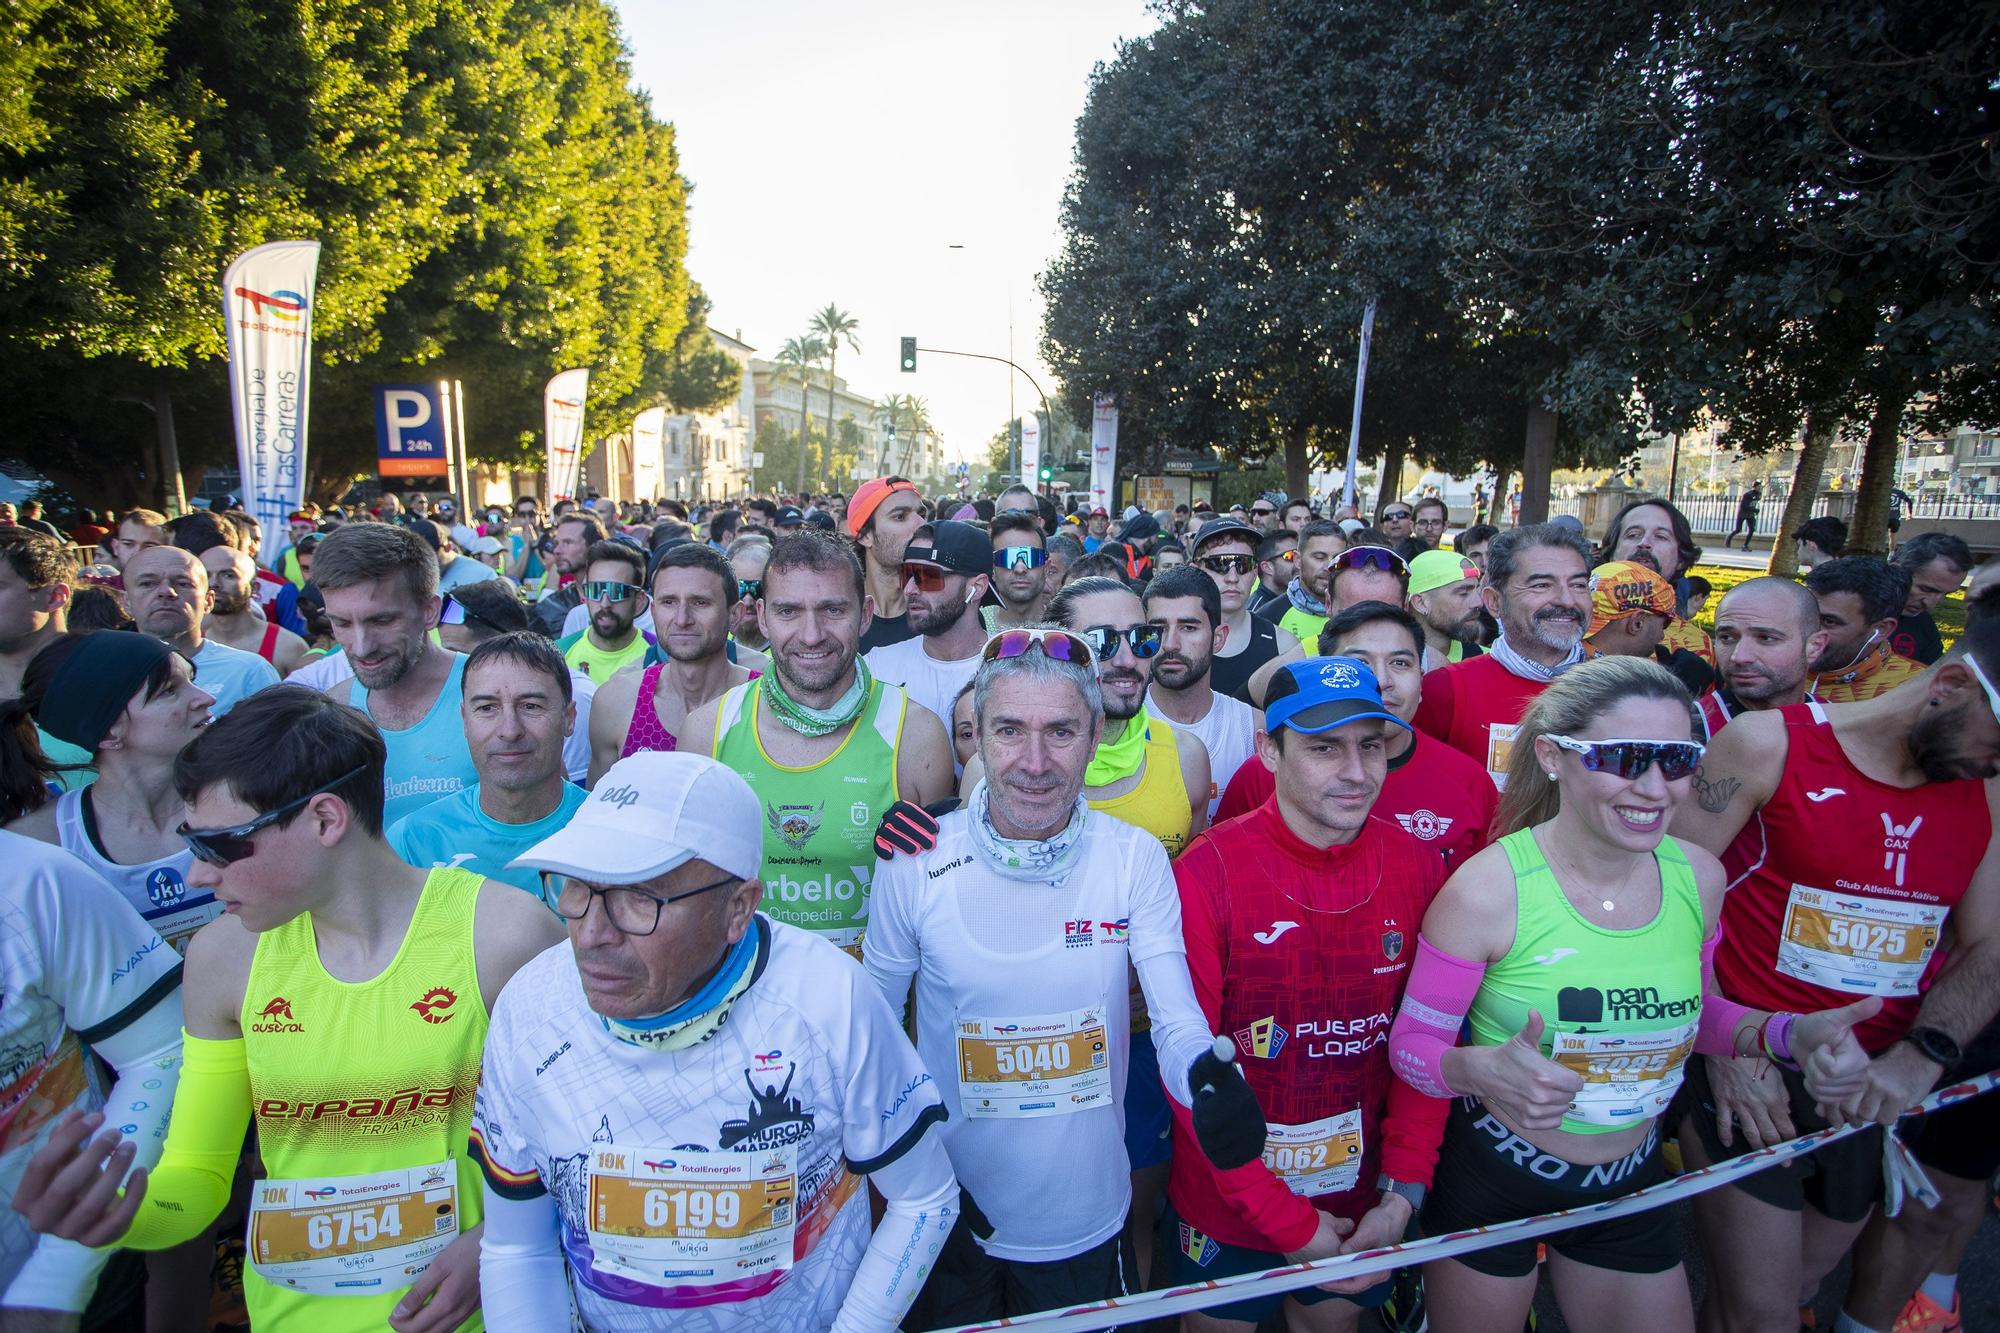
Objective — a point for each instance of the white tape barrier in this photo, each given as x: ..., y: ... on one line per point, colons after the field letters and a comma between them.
x: 1291, y: 1277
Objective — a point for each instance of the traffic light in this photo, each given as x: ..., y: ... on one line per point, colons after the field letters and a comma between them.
x: 1048, y: 474
x: 909, y: 354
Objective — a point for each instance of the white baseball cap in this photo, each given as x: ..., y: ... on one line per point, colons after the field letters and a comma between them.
x: 651, y: 812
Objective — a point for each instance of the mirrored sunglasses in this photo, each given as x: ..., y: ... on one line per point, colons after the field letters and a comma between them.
x: 1144, y: 640
x: 1631, y: 759
x: 1020, y: 557
x: 608, y: 590
x: 1059, y: 644
x: 1229, y: 564
x: 1371, y: 557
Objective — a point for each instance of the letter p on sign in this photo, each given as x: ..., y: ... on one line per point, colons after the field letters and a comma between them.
x: 411, y: 430
x: 403, y: 410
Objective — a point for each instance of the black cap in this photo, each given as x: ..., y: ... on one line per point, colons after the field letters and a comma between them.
x: 788, y: 517
x: 432, y: 534
x: 957, y: 547
x: 820, y: 519
x: 1226, y: 527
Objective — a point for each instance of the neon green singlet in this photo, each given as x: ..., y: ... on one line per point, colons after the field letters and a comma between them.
x: 1625, y: 1002
x: 819, y: 820
x: 1159, y: 805
x: 354, y: 1078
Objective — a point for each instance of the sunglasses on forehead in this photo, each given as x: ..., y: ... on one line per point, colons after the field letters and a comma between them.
x: 226, y: 846
x: 1631, y: 759
x: 1371, y: 557
x: 1059, y: 644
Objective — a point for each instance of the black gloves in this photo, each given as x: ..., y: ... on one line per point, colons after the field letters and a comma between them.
x: 910, y: 830
x: 1227, y: 1120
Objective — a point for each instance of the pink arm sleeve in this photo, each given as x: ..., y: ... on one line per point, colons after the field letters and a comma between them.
x: 1720, y: 1018
x: 1434, y: 1006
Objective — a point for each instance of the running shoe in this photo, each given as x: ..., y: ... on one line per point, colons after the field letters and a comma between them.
x: 1924, y: 1315
x: 1404, y: 1311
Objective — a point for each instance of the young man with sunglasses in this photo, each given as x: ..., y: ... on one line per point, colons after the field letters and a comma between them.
x: 1277, y: 560
x: 1867, y: 830
x: 614, y: 592
x: 1018, y: 926
x: 678, y: 1106
x: 380, y: 585
x: 947, y: 568
x: 827, y: 746
x: 1226, y: 550
x: 1356, y: 574
x: 341, y: 1004
x: 1021, y: 582
x: 1302, y: 611
x: 747, y: 558
x: 1538, y: 588
x: 1185, y: 607
x: 1396, y: 519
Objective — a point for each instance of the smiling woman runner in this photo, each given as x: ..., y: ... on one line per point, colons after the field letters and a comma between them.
x: 1579, y: 946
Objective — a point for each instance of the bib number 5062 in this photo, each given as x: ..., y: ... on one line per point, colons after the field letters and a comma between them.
x: 357, y: 1226
x: 693, y: 1209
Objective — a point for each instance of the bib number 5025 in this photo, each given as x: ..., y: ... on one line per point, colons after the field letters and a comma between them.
x: 1865, y: 937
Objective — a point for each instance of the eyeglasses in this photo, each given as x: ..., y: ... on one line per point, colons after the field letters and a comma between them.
x: 608, y: 590
x: 929, y: 578
x: 226, y: 846
x: 1397, y: 515
x: 1144, y: 640
x: 1372, y: 557
x: 1059, y: 644
x: 1020, y: 557
x: 1992, y: 695
x: 1630, y: 759
x: 749, y: 590
x: 1434, y: 520
x: 1229, y: 564
x: 632, y: 910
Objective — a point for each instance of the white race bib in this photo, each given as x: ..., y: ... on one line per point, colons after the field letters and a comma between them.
x: 692, y: 1219
x: 1628, y: 1077
x: 1864, y: 946
x: 1323, y: 1157
x: 1046, y: 1064
x: 353, y: 1235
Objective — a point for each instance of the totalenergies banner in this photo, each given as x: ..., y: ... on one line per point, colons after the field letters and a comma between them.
x: 267, y: 305
x: 649, y: 436
x: 1104, y: 452
x: 562, y: 417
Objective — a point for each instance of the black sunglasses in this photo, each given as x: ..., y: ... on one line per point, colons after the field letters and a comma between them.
x: 226, y: 846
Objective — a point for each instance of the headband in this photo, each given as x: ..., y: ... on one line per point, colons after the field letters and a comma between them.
x: 91, y: 689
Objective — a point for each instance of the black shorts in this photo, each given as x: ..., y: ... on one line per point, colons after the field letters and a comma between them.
x: 1842, y: 1180
x: 969, y: 1286
x: 1200, y: 1258
x: 1960, y: 1140
x: 1486, y: 1173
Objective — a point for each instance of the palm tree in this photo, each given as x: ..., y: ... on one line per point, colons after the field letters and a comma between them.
x: 795, y: 361
x: 890, y: 414
x: 829, y: 327
x: 917, y: 412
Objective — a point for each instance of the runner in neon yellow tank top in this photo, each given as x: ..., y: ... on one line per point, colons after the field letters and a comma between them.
x: 342, y: 1002
x: 826, y: 748
x: 1579, y: 945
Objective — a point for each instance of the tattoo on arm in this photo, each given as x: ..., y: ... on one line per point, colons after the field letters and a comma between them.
x: 1714, y: 797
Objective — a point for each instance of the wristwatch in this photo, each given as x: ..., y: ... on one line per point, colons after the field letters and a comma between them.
x: 1936, y: 1045
x: 1411, y: 1194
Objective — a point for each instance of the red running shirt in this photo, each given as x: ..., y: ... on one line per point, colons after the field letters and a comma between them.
x: 1436, y: 794
x: 1473, y: 706
x: 1300, y: 955
x: 1846, y: 886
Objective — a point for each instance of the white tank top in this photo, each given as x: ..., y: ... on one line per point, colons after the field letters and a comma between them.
x: 158, y: 890
x: 1230, y: 734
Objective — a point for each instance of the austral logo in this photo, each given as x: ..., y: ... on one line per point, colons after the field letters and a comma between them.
x: 287, y: 306
x: 277, y: 1016
x: 436, y: 1005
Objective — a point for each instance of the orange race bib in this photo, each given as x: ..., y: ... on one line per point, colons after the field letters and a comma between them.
x: 1323, y: 1157
x: 1864, y: 946
x: 1628, y: 1077
x: 690, y: 1219
x: 1045, y: 1064
x: 353, y: 1235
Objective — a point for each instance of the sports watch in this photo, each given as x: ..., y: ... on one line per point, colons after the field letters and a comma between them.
x: 1411, y: 1194
x: 1936, y: 1045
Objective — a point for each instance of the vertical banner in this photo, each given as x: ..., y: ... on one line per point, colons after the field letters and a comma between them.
x: 1104, y: 452
x: 649, y: 434
x: 562, y: 418
x: 267, y: 304
x: 1031, y: 452
x: 1360, y: 386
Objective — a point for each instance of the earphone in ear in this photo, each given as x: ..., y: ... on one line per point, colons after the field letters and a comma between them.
x: 971, y: 595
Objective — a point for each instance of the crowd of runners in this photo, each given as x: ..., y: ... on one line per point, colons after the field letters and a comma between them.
x: 886, y: 911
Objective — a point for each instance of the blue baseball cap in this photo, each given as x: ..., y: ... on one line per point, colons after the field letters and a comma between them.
x: 1324, y: 693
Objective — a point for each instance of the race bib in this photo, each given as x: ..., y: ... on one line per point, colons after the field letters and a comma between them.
x: 1051, y: 1064
x: 1323, y: 1157
x: 1628, y: 1077
x: 1500, y: 751
x: 681, y: 1219
x: 1864, y: 946
x: 353, y: 1235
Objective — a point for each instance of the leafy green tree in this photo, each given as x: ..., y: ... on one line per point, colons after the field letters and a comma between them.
x: 701, y: 376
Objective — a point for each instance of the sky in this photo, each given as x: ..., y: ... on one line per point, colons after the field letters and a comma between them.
x: 837, y: 153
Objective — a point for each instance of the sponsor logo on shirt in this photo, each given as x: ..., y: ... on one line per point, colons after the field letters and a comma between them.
x: 1392, y: 943
x: 165, y: 887
x: 436, y: 1004
x: 775, y: 1116
x: 131, y: 964
x: 1425, y: 824
x: 1277, y: 929
x: 1116, y: 931
x: 1825, y: 794
x: 909, y: 1090
x: 1263, y: 1038
x: 1896, y: 840
x: 550, y: 1059
x: 277, y: 1016
x: 794, y: 824
x: 950, y: 865
x: 1077, y: 935
x: 1202, y: 1249
x: 1622, y: 1004
x: 401, y: 1102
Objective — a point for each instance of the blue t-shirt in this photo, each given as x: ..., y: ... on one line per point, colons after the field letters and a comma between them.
x: 455, y: 832
x: 429, y: 761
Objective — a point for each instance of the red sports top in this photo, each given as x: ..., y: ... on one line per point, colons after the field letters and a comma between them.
x: 1440, y: 797
x: 1300, y: 956
x: 1847, y: 884
x: 1465, y: 700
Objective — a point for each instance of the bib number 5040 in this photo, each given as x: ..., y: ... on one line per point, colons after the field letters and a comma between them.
x: 356, y: 1226
x: 1864, y: 937
x: 1029, y: 1059
x: 693, y: 1209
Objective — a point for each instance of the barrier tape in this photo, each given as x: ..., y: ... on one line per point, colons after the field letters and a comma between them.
x: 1291, y: 1277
